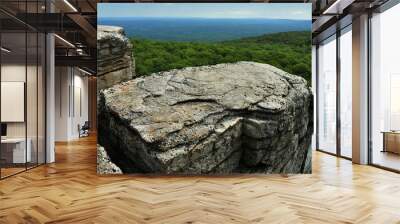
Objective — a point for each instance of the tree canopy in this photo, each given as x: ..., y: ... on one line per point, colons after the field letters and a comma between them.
x: 289, y: 51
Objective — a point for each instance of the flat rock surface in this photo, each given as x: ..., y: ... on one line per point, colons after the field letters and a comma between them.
x: 239, y: 117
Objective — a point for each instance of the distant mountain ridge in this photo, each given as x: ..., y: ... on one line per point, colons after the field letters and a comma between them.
x: 203, y: 29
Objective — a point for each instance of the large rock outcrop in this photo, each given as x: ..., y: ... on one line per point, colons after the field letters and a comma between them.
x: 114, y: 57
x: 239, y: 117
x: 104, y: 164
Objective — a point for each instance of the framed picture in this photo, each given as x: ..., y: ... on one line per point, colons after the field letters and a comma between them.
x: 204, y: 88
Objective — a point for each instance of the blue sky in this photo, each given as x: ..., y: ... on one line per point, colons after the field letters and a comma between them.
x: 210, y: 10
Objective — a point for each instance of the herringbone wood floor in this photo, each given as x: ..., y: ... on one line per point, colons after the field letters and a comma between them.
x: 69, y: 191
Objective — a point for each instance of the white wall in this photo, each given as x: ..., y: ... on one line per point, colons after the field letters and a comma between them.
x: 70, y: 83
x: 9, y: 73
x: 314, y: 89
x: 16, y: 73
x: 79, y: 117
x: 62, y: 81
x: 33, y: 126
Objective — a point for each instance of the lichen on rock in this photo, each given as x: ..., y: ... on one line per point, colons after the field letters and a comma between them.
x: 236, y: 117
x: 104, y: 164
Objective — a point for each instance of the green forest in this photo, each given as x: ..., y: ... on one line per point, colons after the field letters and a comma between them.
x: 289, y: 51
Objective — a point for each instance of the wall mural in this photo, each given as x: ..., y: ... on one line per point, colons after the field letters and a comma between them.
x: 204, y: 88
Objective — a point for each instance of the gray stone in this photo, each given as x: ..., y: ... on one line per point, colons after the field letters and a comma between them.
x: 104, y: 164
x: 260, y: 128
x: 115, y: 62
x: 237, y: 117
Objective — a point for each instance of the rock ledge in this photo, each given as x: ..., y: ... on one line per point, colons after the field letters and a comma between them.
x: 238, y: 117
x: 115, y: 63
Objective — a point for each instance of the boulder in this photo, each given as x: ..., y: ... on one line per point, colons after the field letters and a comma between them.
x: 104, y: 164
x: 237, y: 117
x: 114, y: 53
